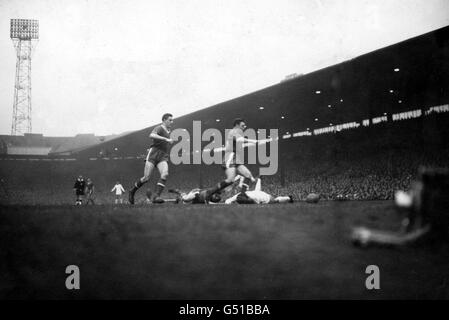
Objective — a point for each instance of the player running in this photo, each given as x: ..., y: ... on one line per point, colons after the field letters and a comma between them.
x: 233, y: 163
x: 157, y: 156
x: 257, y: 196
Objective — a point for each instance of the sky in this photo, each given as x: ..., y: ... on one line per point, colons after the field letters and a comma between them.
x: 107, y: 67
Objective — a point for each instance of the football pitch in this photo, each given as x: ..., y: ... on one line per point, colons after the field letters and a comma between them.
x: 288, y: 251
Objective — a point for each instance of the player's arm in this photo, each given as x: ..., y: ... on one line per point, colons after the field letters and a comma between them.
x: 249, y: 142
x: 156, y: 135
x: 113, y: 189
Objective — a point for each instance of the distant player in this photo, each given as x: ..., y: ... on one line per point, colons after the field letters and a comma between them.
x: 232, y: 163
x: 118, y: 188
x: 90, y: 189
x: 79, y: 187
x: 157, y: 156
x: 257, y: 196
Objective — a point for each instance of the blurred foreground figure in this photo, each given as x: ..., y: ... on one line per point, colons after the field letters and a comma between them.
x: 425, y: 209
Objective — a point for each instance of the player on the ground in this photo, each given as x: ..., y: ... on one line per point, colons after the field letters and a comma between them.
x: 197, y: 196
x: 158, y: 156
x: 257, y: 196
x: 79, y: 188
x: 204, y: 196
x: 233, y: 162
x: 118, y: 188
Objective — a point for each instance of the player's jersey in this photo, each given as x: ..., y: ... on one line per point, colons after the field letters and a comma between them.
x: 79, y: 185
x: 160, y: 144
x: 259, y: 196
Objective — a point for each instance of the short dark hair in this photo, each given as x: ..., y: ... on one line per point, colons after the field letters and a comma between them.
x: 238, y: 121
x: 166, y: 116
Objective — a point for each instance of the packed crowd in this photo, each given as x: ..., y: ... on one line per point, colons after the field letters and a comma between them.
x: 373, y: 176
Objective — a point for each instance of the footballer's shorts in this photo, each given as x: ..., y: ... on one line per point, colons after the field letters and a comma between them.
x: 231, y: 161
x: 79, y: 192
x: 155, y: 156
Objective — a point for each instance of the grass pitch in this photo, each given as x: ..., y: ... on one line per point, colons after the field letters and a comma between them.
x: 290, y: 251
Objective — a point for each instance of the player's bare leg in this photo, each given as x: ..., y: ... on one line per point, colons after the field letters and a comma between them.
x: 149, y: 166
x: 244, y: 171
x: 230, y: 177
x: 163, y: 170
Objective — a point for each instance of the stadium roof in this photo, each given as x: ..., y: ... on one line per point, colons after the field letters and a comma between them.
x: 409, y: 75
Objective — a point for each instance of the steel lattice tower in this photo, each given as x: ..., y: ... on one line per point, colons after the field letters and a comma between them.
x: 24, y: 34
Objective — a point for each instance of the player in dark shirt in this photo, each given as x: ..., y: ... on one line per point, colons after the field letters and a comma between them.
x: 158, y: 156
x: 79, y: 188
x: 232, y: 162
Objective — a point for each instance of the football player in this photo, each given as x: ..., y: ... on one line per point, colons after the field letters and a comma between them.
x: 157, y: 156
x: 257, y: 196
x: 197, y: 196
x: 232, y: 163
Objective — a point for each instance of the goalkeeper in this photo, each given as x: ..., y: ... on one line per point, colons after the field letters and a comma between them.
x: 257, y: 196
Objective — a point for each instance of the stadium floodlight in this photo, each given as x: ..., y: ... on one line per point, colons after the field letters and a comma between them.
x: 391, y: 91
x: 329, y: 106
x: 318, y: 92
x: 24, y: 33
x: 341, y: 100
x: 24, y: 29
x: 282, y: 117
x: 217, y: 120
x: 396, y: 69
x: 316, y: 119
x: 400, y: 101
x: 261, y: 108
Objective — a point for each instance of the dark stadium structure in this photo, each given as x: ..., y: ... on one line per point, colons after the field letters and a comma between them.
x: 358, y: 130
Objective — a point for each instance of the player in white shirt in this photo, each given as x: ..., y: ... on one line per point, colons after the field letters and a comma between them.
x: 257, y: 196
x: 118, y: 188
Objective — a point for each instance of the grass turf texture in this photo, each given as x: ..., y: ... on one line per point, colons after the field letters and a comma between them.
x: 291, y: 251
